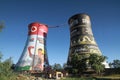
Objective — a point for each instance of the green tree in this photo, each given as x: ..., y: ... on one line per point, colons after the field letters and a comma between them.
x: 0, y: 57
x: 80, y: 63
x: 77, y: 64
x: 57, y: 67
x: 95, y: 61
x: 1, y: 26
x: 7, y: 67
x: 6, y: 73
x: 64, y: 65
x: 116, y: 63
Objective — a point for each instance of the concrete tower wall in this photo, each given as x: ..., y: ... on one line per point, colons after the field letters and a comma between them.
x: 81, y: 37
x: 34, y: 56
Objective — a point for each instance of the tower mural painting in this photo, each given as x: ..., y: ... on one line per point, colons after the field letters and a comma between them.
x: 81, y: 37
x: 34, y: 56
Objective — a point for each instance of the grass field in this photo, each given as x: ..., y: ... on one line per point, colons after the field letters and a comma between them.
x: 110, y: 77
x: 78, y: 79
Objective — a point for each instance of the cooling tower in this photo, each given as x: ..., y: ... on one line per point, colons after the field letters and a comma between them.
x: 82, y: 41
x: 34, y: 56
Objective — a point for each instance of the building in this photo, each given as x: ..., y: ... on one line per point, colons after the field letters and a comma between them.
x: 82, y: 41
x: 34, y: 56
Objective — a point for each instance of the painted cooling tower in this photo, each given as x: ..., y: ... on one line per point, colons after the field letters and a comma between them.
x: 81, y: 37
x: 34, y: 56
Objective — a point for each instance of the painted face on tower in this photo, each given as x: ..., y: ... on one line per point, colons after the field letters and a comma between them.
x: 40, y: 52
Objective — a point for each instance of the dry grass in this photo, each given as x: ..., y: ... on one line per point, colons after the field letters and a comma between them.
x: 110, y: 77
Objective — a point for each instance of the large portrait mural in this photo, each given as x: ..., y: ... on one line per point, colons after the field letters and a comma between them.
x: 34, y: 54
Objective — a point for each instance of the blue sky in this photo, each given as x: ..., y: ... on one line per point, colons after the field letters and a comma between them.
x: 17, y: 14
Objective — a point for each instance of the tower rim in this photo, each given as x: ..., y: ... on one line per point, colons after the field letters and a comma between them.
x: 37, y: 23
x: 76, y: 15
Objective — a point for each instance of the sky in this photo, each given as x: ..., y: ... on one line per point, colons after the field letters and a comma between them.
x: 17, y: 14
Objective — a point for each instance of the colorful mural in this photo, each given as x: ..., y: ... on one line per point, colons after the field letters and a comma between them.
x: 34, y: 53
x: 81, y: 37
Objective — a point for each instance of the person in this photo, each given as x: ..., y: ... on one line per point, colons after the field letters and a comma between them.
x: 38, y: 60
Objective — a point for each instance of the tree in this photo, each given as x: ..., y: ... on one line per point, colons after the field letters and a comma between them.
x: 0, y: 57
x: 1, y: 26
x: 57, y: 67
x: 6, y: 73
x: 77, y: 64
x: 115, y: 63
x: 95, y: 61
x: 6, y: 67
x: 64, y: 65
x: 80, y: 63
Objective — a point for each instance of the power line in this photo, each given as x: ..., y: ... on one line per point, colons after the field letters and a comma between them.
x: 61, y: 25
